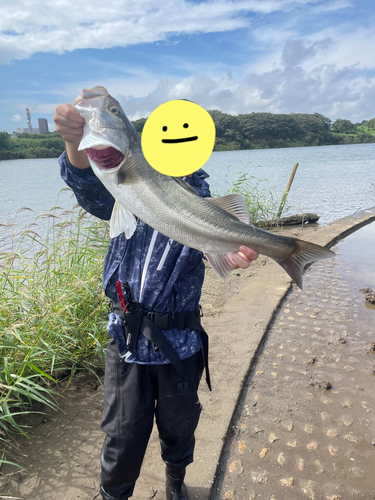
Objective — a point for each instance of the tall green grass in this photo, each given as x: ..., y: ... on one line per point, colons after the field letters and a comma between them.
x: 260, y: 195
x: 52, y: 311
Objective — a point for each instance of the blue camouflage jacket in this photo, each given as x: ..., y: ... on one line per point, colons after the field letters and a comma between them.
x: 164, y: 275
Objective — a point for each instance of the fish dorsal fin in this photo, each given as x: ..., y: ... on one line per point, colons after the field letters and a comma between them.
x: 130, y: 169
x: 122, y: 221
x: 234, y: 204
x: 185, y: 185
x: 223, y: 265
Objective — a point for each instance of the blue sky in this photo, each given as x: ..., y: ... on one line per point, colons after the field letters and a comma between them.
x: 238, y: 56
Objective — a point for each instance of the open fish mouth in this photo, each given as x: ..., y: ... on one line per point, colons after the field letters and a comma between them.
x: 106, y: 158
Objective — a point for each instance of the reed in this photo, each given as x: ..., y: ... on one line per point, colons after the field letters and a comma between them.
x: 52, y: 311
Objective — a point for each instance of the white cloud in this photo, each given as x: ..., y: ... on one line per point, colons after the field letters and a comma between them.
x: 327, y: 89
x: 29, y: 26
x: 16, y: 118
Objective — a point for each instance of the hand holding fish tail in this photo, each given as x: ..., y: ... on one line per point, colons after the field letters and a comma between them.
x: 244, y: 257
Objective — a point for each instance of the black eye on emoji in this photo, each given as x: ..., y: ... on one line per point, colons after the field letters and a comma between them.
x: 185, y: 125
x: 165, y: 128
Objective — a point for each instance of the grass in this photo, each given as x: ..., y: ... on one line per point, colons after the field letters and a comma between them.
x: 52, y: 312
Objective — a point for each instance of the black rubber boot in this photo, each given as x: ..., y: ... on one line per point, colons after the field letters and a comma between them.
x: 106, y: 496
x: 175, y: 487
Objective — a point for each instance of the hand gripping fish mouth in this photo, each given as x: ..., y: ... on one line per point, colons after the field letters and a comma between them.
x: 103, y: 135
x: 218, y: 227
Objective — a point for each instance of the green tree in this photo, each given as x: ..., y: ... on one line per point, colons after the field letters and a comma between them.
x: 4, y: 140
x: 139, y: 124
x: 370, y: 123
x: 341, y: 126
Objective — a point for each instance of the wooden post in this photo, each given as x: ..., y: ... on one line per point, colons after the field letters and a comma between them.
x: 286, y: 192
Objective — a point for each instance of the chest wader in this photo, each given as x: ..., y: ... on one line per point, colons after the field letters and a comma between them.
x: 151, y: 324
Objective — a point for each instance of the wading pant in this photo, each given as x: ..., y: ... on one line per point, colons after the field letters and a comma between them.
x: 133, y: 395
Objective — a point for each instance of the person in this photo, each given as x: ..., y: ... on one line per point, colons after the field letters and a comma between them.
x: 166, y: 278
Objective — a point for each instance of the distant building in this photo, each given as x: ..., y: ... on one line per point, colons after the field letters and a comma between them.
x: 43, y: 126
x: 26, y: 131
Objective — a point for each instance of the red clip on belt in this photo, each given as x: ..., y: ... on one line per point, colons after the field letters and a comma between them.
x: 121, y: 295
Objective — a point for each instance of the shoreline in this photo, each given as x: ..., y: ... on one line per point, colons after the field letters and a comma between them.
x: 226, y: 150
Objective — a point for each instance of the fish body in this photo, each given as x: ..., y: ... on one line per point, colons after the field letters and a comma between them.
x: 215, y: 226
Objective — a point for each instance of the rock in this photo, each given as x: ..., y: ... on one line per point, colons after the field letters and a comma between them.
x: 370, y: 297
x: 365, y: 290
x: 337, y: 340
x: 324, y: 385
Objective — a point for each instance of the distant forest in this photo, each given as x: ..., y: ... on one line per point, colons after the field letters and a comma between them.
x: 269, y: 130
x: 244, y: 131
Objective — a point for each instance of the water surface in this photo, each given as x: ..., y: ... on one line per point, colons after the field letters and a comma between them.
x: 332, y: 181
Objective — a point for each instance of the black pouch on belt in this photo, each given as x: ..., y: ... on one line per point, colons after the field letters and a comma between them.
x: 132, y: 324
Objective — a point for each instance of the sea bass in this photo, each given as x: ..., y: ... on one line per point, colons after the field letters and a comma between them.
x: 215, y: 226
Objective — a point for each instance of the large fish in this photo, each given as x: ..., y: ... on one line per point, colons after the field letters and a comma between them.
x: 215, y: 226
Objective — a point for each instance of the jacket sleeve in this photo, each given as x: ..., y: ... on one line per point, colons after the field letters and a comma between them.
x: 90, y: 192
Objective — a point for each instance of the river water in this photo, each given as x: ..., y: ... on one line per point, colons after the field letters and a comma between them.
x: 332, y: 181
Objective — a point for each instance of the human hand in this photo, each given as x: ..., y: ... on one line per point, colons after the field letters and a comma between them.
x: 69, y: 124
x: 244, y: 257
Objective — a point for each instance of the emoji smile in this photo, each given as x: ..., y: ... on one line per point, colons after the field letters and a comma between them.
x: 175, y: 141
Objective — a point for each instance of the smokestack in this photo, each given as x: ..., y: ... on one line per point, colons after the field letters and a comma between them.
x: 29, y: 120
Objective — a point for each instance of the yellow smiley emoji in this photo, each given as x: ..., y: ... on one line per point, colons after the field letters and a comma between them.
x: 178, y: 138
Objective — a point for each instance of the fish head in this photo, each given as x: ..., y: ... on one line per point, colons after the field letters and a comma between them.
x: 108, y: 135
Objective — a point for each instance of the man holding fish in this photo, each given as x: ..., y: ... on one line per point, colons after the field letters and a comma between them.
x: 158, y: 350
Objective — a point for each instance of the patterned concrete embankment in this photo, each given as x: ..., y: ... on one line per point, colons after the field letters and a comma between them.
x: 234, y: 347
x: 305, y: 426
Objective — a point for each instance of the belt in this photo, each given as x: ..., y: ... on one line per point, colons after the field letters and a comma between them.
x: 153, y: 323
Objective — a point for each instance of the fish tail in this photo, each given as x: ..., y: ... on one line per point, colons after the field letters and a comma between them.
x: 304, y: 253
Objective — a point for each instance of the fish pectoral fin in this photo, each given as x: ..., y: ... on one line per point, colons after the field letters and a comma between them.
x: 234, y: 204
x: 122, y: 221
x: 131, y: 169
x: 223, y: 265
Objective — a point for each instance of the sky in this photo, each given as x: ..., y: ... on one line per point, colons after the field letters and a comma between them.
x: 238, y: 56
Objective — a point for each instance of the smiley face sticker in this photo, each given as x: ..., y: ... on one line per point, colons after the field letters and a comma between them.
x: 178, y: 138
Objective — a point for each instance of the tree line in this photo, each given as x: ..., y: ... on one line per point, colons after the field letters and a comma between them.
x: 244, y: 131
x: 27, y: 145
x: 270, y: 130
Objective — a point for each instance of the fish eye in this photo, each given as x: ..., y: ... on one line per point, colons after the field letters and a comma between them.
x: 114, y: 110
x: 185, y: 125
x: 165, y: 128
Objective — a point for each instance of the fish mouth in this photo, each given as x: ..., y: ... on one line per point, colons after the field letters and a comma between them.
x: 176, y: 141
x: 106, y: 158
